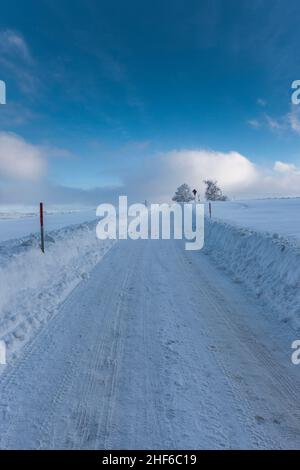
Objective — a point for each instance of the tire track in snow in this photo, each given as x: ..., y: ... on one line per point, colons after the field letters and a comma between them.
x: 284, y: 390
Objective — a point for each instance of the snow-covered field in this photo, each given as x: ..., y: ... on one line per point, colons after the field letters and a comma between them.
x: 275, y: 216
x: 20, y: 221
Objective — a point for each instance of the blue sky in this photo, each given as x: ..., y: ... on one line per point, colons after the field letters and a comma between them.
x: 115, y: 94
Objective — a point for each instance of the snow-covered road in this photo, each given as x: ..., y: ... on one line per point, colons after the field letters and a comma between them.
x: 156, y: 349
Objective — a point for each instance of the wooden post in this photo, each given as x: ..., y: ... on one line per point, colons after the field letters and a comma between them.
x: 209, y: 207
x: 42, y: 227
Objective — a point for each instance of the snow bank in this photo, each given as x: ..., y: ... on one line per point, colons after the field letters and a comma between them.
x: 32, y: 284
x: 267, y: 264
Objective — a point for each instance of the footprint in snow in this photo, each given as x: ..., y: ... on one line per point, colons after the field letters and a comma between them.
x: 259, y: 419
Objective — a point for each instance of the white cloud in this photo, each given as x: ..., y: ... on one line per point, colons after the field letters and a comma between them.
x: 274, y: 124
x: 16, y: 59
x: 254, y: 123
x: 20, y: 160
x: 231, y: 169
x: 161, y: 174
x: 285, y: 167
x: 237, y: 175
x: 294, y: 118
x: 156, y: 179
x: 289, y: 122
x: 261, y: 102
x: 13, y: 43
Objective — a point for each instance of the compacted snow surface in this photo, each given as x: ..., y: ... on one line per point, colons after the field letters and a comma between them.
x: 141, y: 344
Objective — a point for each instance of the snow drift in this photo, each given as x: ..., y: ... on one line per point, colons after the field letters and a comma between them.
x: 33, y: 285
x: 267, y: 264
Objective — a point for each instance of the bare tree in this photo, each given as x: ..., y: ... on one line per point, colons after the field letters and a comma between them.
x: 213, y: 192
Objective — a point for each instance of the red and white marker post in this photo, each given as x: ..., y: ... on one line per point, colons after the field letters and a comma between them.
x: 42, y: 227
